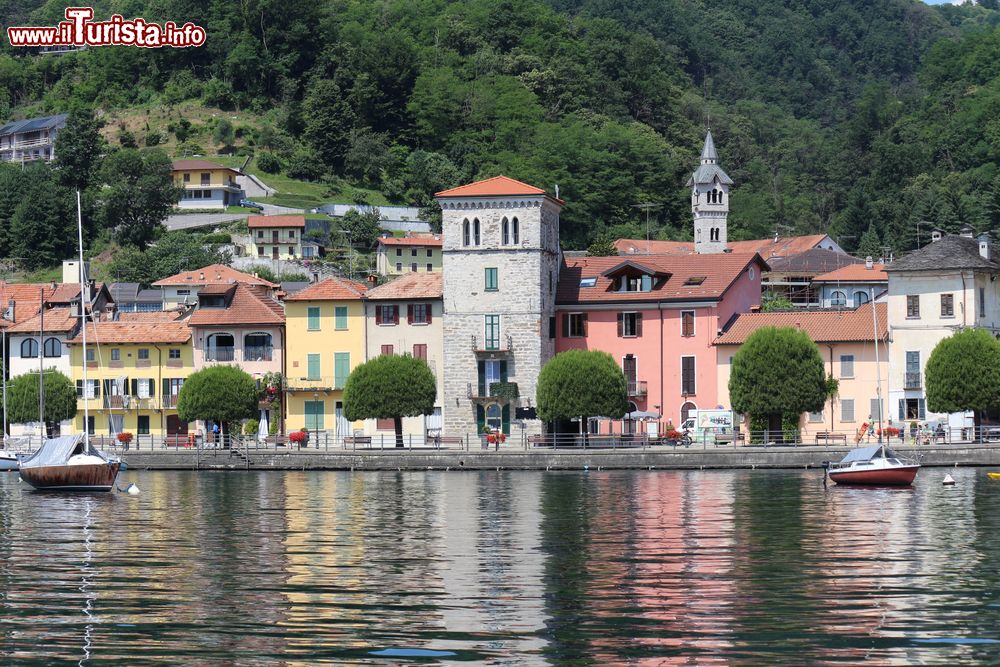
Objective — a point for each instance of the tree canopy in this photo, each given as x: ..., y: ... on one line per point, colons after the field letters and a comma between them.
x: 22, y: 397
x: 170, y: 254
x: 390, y: 387
x: 138, y: 194
x: 778, y: 370
x: 581, y: 383
x: 219, y: 393
x: 963, y: 373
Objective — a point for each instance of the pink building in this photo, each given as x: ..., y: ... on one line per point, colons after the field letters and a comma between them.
x: 658, y: 316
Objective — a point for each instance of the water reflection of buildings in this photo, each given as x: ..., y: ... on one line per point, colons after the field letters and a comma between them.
x: 492, y: 562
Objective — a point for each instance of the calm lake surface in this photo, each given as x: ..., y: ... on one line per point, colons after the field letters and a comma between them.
x: 501, y: 568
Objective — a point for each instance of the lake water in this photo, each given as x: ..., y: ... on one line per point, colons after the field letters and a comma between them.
x: 501, y: 568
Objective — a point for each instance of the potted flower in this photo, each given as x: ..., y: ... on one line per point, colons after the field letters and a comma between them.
x: 125, y: 438
x: 484, y: 437
x: 300, y: 438
x: 672, y: 436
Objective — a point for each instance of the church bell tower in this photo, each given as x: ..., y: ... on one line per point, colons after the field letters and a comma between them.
x: 709, y: 200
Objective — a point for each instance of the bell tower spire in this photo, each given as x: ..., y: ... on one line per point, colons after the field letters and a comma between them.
x: 709, y: 200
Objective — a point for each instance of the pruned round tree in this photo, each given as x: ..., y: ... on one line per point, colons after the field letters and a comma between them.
x: 776, y: 376
x: 22, y: 397
x: 963, y: 373
x: 390, y: 387
x: 223, y: 394
x: 581, y: 383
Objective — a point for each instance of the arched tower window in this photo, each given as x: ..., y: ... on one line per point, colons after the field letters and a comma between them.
x: 838, y: 298
x: 515, y: 232
x: 475, y: 231
x: 860, y: 298
x: 505, y: 232
x: 465, y: 232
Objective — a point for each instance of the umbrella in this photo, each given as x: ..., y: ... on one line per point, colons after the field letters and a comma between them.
x: 641, y: 414
x: 262, y: 428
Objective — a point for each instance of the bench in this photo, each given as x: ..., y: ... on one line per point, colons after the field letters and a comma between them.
x: 357, y: 440
x: 828, y: 436
x: 447, y: 440
x: 539, y: 441
x: 725, y: 438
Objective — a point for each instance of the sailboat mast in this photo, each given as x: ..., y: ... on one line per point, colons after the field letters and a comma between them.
x: 41, y: 363
x: 83, y: 320
x: 878, y: 370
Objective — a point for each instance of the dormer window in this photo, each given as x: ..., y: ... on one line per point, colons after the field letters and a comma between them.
x: 640, y: 283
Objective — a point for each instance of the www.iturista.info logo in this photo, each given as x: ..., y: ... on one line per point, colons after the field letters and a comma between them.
x: 80, y: 30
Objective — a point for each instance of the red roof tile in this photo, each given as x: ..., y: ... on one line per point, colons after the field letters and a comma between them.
x: 213, y: 275
x: 247, y: 306
x: 135, y: 331
x: 331, y: 289
x: 57, y: 320
x: 823, y: 326
x: 498, y: 186
x: 408, y: 286
x: 854, y: 273
x: 26, y: 296
x: 718, y: 270
x: 782, y: 247
x: 187, y: 165
x: 151, y: 316
x: 270, y: 221
x: 427, y: 241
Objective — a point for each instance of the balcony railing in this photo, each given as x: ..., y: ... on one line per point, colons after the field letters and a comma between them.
x: 636, y: 389
x: 911, y: 381
x: 220, y: 354
x: 480, y: 345
x: 258, y: 353
x: 320, y: 382
x: 31, y: 143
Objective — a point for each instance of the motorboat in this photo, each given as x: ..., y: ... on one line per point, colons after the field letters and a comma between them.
x: 8, y: 460
x: 70, y: 463
x: 876, y: 465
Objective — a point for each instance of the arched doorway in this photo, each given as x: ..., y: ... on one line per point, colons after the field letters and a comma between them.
x: 628, y: 425
x: 686, y: 411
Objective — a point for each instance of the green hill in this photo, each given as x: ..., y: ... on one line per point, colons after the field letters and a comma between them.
x: 830, y: 115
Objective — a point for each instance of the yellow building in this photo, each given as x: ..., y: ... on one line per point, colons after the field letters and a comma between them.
x: 276, y: 236
x: 409, y: 254
x: 135, y: 370
x: 846, y: 341
x: 206, y: 184
x: 325, y: 330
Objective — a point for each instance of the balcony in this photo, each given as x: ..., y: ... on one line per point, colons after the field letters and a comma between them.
x: 911, y: 380
x: 492, y: 348
x: 32, y: 143
x: 220, y: 354
x: 316, y: 383
x: 258, y: 353
x: 506, y: 392
x: 637, y: 389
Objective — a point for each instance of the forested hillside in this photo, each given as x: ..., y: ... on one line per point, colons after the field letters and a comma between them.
x: 861, y: 118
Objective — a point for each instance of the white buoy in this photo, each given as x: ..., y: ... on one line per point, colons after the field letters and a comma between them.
x: 132, y: 490
x: 948, y: 480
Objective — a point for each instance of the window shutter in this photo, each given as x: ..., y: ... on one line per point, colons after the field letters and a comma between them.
x: 429, y: 308
x: 921, y: 409
x: 480, y: 416
x: 565, y: 319
x: 902, y: 409
x: 621, y: 325
x: 584, y: 318
x: 79, y: 389
x: 505, y: 419
x: 503, y: 370
x: 482, y: 380
x: 378, y: 314
x: 166, y: 387
x: 552, y: 327
x: 135, y: 387
x: 152, y: 388
x: 409, y: 313
x: 395, y: 314
x: 638, y: 324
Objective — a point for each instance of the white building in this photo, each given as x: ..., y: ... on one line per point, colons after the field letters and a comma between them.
x: 31, y: 139
x: 948, y: 285
x: 500, y: 263
x: 710, y: 200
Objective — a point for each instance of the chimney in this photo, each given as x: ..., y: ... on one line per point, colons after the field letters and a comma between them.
x: 869, y: 263
x: 967, y: 231
x: 985, y: 245
x: 936, y: 235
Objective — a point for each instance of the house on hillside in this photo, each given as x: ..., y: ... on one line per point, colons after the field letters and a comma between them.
x: 850, y: 286
x: 409, y: 254
x: 31, y: 139
x: 276, y: 236
x: 206, y: 184
x: 846, y: 341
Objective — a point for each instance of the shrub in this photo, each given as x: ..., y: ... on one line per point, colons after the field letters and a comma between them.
x: 153, y: 138
x: 251, y: 427
x: 269, y: 163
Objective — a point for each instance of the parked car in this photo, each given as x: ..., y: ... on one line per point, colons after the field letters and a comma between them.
x: 246, y: 203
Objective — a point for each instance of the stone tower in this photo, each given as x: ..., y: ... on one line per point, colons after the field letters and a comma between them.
x: 709, y: 200
x: 500, y: 261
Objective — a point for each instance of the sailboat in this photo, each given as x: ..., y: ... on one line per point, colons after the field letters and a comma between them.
x: 72, y: 463
x: 876, y: 465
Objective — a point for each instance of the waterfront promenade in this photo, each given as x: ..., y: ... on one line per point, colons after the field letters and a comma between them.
x: 653, y: 457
